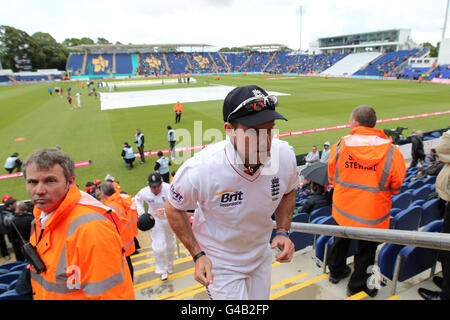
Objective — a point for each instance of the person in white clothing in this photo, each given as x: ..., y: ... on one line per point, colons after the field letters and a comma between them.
x: 78, y: 96
x: 312, y: 157
x: 235, y: 186
x: 325, y: 153
x: 163, y: 238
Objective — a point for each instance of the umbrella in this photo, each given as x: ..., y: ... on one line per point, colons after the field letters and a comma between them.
x: 317, y: 172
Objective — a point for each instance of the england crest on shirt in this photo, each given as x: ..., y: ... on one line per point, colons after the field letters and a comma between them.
x: 275, y: 188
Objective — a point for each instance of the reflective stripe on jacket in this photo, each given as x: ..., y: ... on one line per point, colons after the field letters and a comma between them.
x: 82, y: 252
x: 365, y: 169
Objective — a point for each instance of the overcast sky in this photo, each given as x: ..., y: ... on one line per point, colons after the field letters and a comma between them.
x: 223, y: 22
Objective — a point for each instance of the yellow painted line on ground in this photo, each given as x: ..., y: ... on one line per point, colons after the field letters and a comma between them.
x: 188, y: 294
x: 394, y: 298
x: 175, y: 293
x: 174, y: 276
x: 297, y: 286
x: 151, y: 269
x: 357, y: 296
x: 134, y: 256
x: 282, y: 283
x: 151, y: 259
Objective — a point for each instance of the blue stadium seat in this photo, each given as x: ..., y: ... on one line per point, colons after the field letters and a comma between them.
x: 10, y: 276
x: 430, y: 180
x: 387, y: 258
x: 422, y: 192
x: 406, y: 261
x: 402, y: 200
x: 320, y: 212
x: 416, y: 184
x: 19, y: 267
x: 415, y: 260
x: 11, y: 264
x: 419, y: 202
x: 394, y: 211
x: 407, y: 219
x: 300, y: 239
x: 14, y: 295
x: 431, y: 210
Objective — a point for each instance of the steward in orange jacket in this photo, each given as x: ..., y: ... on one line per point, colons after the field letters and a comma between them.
x: 82, y: 251
x: 178, y: 108
x: 130, y: 207
x: 72, y: 234
x: 365, y: 169
x: 111, y: 198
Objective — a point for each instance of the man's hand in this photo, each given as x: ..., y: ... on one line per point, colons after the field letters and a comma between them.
x: 287, y: 247
x: 203, y: 272
x: 160, y: 212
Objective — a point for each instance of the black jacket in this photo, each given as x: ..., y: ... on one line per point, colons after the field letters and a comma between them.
x: 23, y: 224
x: 417, y: 151
x: 314, y: 201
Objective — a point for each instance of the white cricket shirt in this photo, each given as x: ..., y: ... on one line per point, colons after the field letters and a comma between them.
x: 232, y: 221
x: 153, y: 201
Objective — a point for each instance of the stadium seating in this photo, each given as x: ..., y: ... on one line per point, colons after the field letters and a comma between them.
x: 9, y: 265
x: 400, y: 263
x: 12, y: 294
x: 75, y: 63
x: 386, y: 63
x: 422, y: 192
x: 320, y: 212
x: 431, y: 210
x: 402, y: 200
x: 416, y: 184
x: 9, y: 277
x: 124, y: 64
x: 407, y: 219
x: 300, y: 239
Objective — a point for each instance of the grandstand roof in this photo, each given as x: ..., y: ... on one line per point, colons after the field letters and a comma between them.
x: 133, y: 47
x: 266, y: 47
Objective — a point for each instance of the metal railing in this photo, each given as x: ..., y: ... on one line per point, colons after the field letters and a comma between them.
x: 431, y: 240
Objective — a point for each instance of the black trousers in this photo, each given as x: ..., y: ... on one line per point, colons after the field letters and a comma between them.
x: 363, y: 258
x: 3, y: 248
x: 445, y: 257
x: 141, y: 152
x: 166, y: 177
x: 177, y: 117
x: 130, y: 265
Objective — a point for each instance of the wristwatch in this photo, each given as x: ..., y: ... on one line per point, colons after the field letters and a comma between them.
x: 284, y: 232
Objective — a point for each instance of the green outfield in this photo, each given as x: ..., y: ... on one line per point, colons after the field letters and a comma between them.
x: 29, y: 112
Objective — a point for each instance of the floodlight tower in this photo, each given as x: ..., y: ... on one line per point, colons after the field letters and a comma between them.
x: 300, y: 11
x: 445, y: 21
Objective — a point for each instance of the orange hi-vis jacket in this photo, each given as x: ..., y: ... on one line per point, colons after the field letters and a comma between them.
x: 82, y: 252
x: 178, y: 107
x: 365, y: 169
x: 130, y: 207
x: 126, y: 232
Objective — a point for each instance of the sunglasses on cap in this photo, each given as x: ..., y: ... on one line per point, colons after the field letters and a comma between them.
x: 255, y: 104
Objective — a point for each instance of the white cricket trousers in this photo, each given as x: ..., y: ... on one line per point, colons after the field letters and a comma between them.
x: 241, y: 282
x: 163, y: 245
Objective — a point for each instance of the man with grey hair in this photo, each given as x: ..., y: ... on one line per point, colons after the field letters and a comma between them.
x: 80, y: 248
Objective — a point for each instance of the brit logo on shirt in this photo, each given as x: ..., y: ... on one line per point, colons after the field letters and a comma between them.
x: 275, y: 188
x: 175, y: 195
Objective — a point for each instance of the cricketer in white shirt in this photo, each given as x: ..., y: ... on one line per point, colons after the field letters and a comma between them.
x: 163, y: 238
x: 232, y: 221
